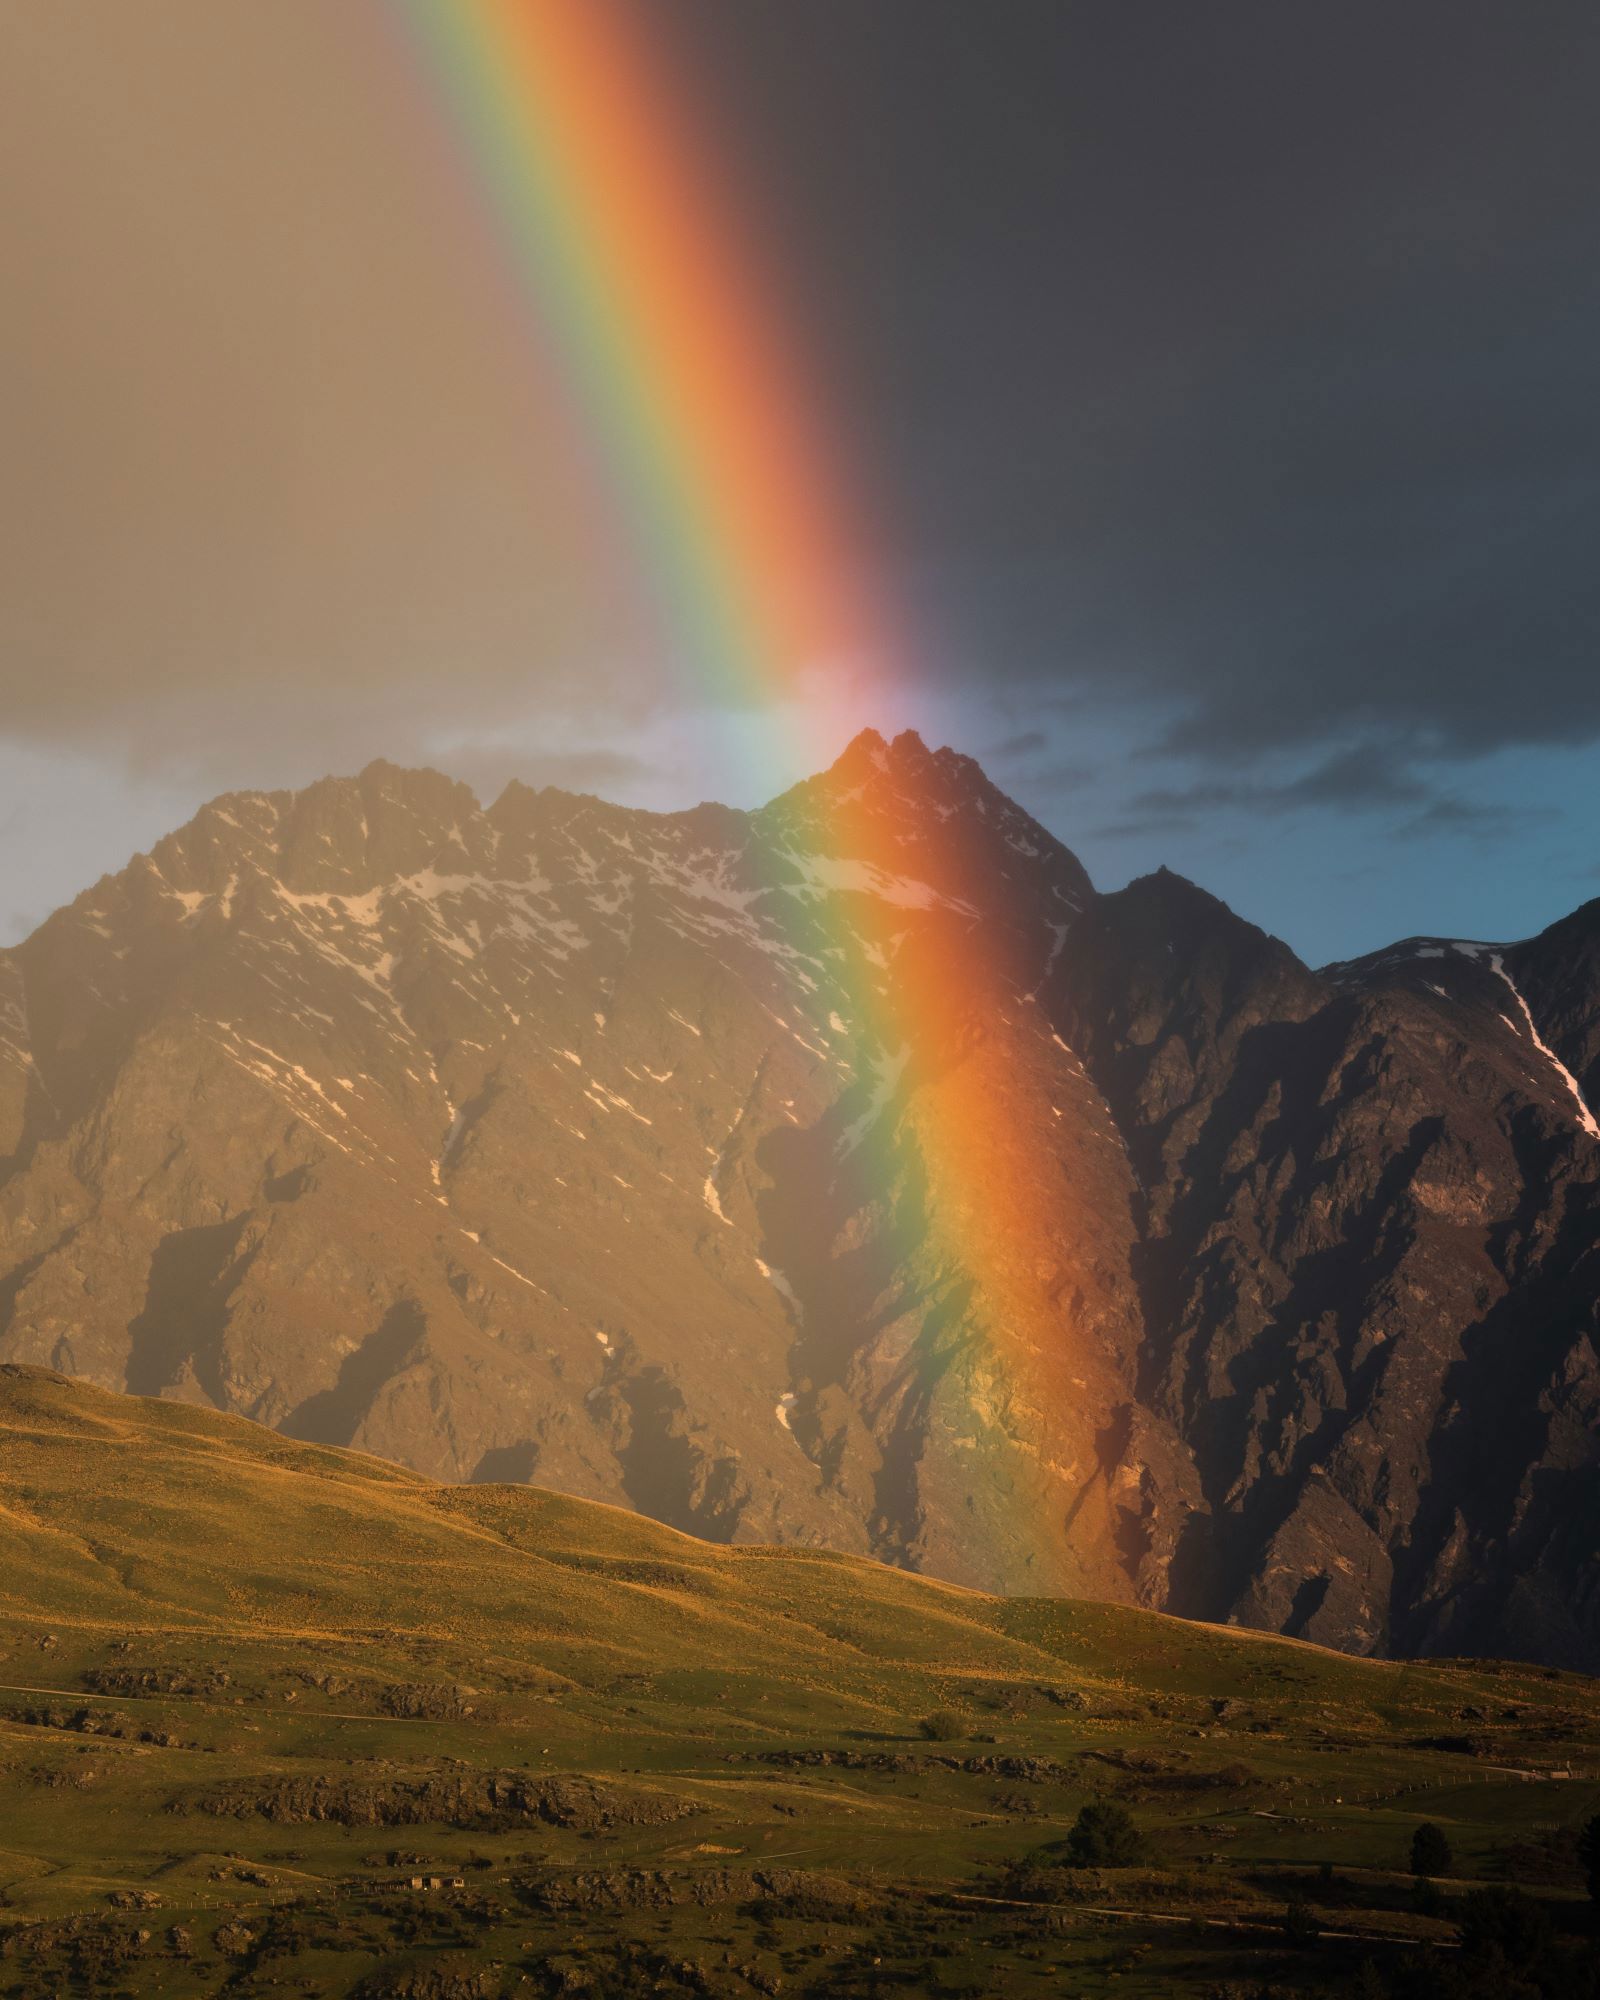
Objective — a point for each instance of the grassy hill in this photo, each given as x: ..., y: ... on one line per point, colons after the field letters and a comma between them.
x: 250, y: 1688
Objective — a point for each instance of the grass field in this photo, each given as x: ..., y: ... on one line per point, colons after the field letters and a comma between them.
x: 249, y: 1689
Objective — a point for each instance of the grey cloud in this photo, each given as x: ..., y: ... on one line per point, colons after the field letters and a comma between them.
x: 1359, y: 776
x: 1474, y: 819
x: 1363, y: 777
x: 1025, y: 743
x: 1141, y: 829
x: 1064, y: 777
x: 488, y: 768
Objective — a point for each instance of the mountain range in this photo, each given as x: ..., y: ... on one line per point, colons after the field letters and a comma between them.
x: 551, y: 1143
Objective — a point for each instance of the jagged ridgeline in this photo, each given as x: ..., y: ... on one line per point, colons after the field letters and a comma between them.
x: 846, y: 1172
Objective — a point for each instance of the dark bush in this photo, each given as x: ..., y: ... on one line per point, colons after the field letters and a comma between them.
x: 944, y: 1725
x: 1299, y: 1925
x: 1430, y: 1851
x: 1589, y: 1856
x: 1104, y: 1836
x: 1547, y: 1858
x: 1504, y: 1921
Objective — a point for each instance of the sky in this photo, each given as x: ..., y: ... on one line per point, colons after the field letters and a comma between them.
x: 1219, y: 383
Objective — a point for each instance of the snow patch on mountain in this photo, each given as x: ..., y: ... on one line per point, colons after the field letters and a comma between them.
x: 886, y: 1072
x: 1486, y: 954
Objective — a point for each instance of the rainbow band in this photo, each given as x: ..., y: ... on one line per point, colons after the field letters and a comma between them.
x: 636, y: 273
x: 646, y: 290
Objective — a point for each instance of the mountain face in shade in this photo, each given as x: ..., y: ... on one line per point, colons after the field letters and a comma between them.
x: 545, y: 1143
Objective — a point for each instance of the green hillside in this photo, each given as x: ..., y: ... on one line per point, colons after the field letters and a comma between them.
x: 251, y: 1688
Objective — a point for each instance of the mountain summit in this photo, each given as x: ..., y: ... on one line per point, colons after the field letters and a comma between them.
x: 663, y: 1159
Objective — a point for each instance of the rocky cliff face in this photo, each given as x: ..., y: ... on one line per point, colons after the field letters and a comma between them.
x: 567, y: 1143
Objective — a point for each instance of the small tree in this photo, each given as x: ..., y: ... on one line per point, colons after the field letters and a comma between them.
x: 1589, y: 1856
x: 1104, y: 1836
x: 1430, y: 1851
x: 1299, y: 1925
x: 943, y: 1726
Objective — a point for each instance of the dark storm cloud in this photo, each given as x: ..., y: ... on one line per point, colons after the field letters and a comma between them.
x: 1237, y: 359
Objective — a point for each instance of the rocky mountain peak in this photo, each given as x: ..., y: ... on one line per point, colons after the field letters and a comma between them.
x: 930, y: 815
x: 847, y: 1171
x: 904, y: 767
x: 338, y: 836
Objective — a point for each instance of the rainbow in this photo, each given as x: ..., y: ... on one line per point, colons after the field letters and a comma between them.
x: 647, y: 290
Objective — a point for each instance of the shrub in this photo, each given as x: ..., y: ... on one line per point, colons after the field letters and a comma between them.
x: 1299, y: 1925
x: 1506, y: 1921
x: 944, y: 1725
x: 1548, y: 1858
x: 1430, y: 1851
x: 802, y: 1896
x: 1589, y: 1856
x: 1029, y: 1882
x: 1104, y: 1836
